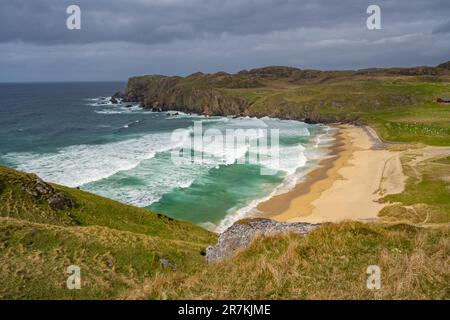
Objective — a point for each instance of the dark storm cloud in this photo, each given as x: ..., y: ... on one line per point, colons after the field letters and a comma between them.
x: 122, y: 38
x: 443, y: 28
x: 157, y: 21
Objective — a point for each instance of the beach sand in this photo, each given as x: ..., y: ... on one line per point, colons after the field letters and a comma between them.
x: 346, y: 186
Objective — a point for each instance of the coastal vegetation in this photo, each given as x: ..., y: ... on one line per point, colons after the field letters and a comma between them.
x: 115, y: 245
x: 425, y: 199
x: 130, y: 253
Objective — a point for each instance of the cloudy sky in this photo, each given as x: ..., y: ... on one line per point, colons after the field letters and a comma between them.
x: 121, y: 38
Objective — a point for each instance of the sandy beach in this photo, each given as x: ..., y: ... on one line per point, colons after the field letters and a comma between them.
x: 346, y: 186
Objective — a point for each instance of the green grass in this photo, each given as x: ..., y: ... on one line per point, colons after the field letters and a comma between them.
x: 34, y: 259
x: 89, y: 210
x: 426, y: 198
x: 117, y: 246
x: 427, y: 124
x: 329, y: 263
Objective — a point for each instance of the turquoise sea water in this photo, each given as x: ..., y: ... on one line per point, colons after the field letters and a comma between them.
x: 70, y: 134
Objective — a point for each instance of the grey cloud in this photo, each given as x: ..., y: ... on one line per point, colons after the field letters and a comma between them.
x: 443, y: 28
x: 123, y: 38
x: 160, y: 21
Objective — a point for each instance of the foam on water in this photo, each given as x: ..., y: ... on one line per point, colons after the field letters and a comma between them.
x: 148, y: 182
x: 296, y: 162
x: 80, y: 164
x: 121, y: 109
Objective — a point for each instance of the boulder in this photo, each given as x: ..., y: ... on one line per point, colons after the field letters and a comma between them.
x: 241, y: 234
x: 42, y: 190
x: 60, y: 202
x: 114, y: 100
x: 167, y: 263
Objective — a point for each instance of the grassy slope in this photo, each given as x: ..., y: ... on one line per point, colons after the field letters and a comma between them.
x: 330, y: 263
x: 401, y: 109
x: 119, y: 255
x: 426, y: 198
x: 116, y: 246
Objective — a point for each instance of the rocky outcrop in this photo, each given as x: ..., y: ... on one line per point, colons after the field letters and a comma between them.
x: 241, y: 234
x: 42, y: 190
x: 193, y: 94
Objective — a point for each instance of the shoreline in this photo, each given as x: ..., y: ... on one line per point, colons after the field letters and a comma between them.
x: 345, y: 186
x: 279, y: 203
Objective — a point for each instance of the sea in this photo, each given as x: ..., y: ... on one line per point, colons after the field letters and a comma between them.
x: 71, y: 134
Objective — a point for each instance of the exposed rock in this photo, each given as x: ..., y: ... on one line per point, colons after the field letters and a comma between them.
x: 60, y: 202
x: 167, y: 263
x: 110, y: 264
x: 310, y: 121
x: 114, y: 100
x: 243, y: 232
x: 119, y: 95
x: 37, y: 187
x: 40, y: 189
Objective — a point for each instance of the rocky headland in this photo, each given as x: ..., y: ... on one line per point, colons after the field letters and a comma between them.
x: 282, y: 92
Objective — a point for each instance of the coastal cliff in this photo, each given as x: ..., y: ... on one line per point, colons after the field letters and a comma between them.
x: 284, y: 92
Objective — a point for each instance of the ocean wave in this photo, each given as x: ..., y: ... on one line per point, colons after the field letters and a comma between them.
x: 288, y: 159
x: 81, y: 164
x: 238, y: 213
x: 149, y: 181
x: 120, y: 109
x: 99, y: 101
x: 296, y: 162
x: 325, y: 139
x: 130, y: 124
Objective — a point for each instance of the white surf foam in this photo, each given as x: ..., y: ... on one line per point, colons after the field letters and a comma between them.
x: 156, y: 177
x: 81, y: 164
x: 296, y: 162
x: 121, y: 109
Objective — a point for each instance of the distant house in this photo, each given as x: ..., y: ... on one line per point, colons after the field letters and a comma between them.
x: 443, y: 100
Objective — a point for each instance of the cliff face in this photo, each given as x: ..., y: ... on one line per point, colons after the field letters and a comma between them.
x: 195, y: 94
x: 284, y: 92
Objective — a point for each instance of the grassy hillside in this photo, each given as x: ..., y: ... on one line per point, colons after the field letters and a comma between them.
x: 400, y: 110
x: 119, y: 248
x: 116, y: 246
x: 329, y: 263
